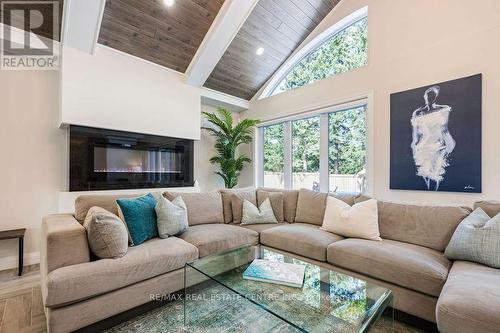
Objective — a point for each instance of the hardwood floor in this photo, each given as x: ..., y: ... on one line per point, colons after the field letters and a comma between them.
x: 21, y: 308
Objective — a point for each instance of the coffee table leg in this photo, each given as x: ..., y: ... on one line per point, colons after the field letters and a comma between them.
x: 21, y: 255
x: 392, y: 314
x: 185, y: 292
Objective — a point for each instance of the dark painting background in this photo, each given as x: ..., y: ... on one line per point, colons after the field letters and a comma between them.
x: 464, y: 173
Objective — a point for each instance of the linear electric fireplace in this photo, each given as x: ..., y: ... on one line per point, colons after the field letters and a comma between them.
x: 107, y: 160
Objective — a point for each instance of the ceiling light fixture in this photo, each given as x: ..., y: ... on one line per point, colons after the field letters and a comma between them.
x: 169, y: 3
x: 260, y: 51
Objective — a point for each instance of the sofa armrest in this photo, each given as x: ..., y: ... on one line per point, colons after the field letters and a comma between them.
x: 64, y: 243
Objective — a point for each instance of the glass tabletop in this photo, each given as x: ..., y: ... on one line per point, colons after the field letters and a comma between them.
x: 328, y: 301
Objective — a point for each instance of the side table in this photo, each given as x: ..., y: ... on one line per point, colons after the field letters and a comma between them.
x: 16, y: 233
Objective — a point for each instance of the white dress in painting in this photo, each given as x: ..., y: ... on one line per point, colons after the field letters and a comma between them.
x: 432, y: 142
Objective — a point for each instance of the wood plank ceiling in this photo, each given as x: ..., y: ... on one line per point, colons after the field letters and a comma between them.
x: 148, y: 29
x: 279, y: 26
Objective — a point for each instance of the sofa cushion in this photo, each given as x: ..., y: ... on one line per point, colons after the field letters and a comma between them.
x: 172, y: 217
x: 348, y: 198
x: 81, y: 281
x: 84, y: 202
x: 290, y: 198
x: 263, y: 214
x: 429, y: 226
x: 311, y: 207
x: 140, y: 217
x: 276, y: 199
x: 226, y: 201
x: 202, y: 208
x: 407, y: 265
x: 476, y: 239
x: 300, y: 238
x: 261, y: 227
x: 492, y: 208
x: 237, y: 199
x: 470, y: 300
x: 106, y: 233
x: 215, y: 238
x: 358, y: 221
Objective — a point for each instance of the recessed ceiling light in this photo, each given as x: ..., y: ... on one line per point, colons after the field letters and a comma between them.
x: 169, y: 2
x: 260, y: 51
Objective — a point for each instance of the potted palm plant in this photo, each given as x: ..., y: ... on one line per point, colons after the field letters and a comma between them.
x: 229, y: 137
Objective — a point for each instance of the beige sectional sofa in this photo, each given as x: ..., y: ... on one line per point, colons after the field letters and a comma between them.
x: 461, y: 297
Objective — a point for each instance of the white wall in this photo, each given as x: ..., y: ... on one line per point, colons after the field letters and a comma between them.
x: 32, y: 155
x: 113, y: 90
x: 204, y: 150
x: 412, y: 44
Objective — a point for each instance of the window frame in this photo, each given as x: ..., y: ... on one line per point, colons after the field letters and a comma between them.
x: 324, y: 172
x: 310, y: 47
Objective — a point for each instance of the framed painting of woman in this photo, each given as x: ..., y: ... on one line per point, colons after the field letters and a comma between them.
x: 436, y: 137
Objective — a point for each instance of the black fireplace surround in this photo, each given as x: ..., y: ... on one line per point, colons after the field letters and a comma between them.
x: 110, y: 160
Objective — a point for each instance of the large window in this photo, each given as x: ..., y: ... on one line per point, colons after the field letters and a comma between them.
x: 274, y: 156
x: 347, y: 150
x: 341, y: 52
x: 305, y: 153
x: 324, y: 152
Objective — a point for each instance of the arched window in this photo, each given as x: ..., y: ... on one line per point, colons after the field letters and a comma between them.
x: 341, y: 48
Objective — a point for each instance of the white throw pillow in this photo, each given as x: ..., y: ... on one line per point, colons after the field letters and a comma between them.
x: 172, y: 217
x: 261, y: 215
x: 358, y: 221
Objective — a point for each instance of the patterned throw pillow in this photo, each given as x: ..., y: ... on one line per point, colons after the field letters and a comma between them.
x: 276, y: 199
x: 237, y: 199
x: 106, y: 233
x: 253, y: 215
x: 172, y: 217
x: 476, y: 239
x: 140, y: 216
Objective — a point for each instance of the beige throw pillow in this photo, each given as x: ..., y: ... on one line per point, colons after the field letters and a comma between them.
x: 202, y: 208
x: 261, y: 215
x: 311, y: 207
x: 358, y: 221
x: 106, y: 233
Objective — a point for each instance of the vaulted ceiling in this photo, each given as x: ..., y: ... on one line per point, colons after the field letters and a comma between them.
x: 278, y: 26
x: 171, y: 35
x: 148, y: 29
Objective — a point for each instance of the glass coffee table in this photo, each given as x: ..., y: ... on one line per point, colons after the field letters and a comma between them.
x: 217, y: 298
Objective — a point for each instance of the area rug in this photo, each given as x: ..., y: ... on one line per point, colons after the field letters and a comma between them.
x: 223, y: 315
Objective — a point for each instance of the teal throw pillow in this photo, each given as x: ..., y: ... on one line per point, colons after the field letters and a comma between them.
x: 476, y: 239
x: 140, y: 216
